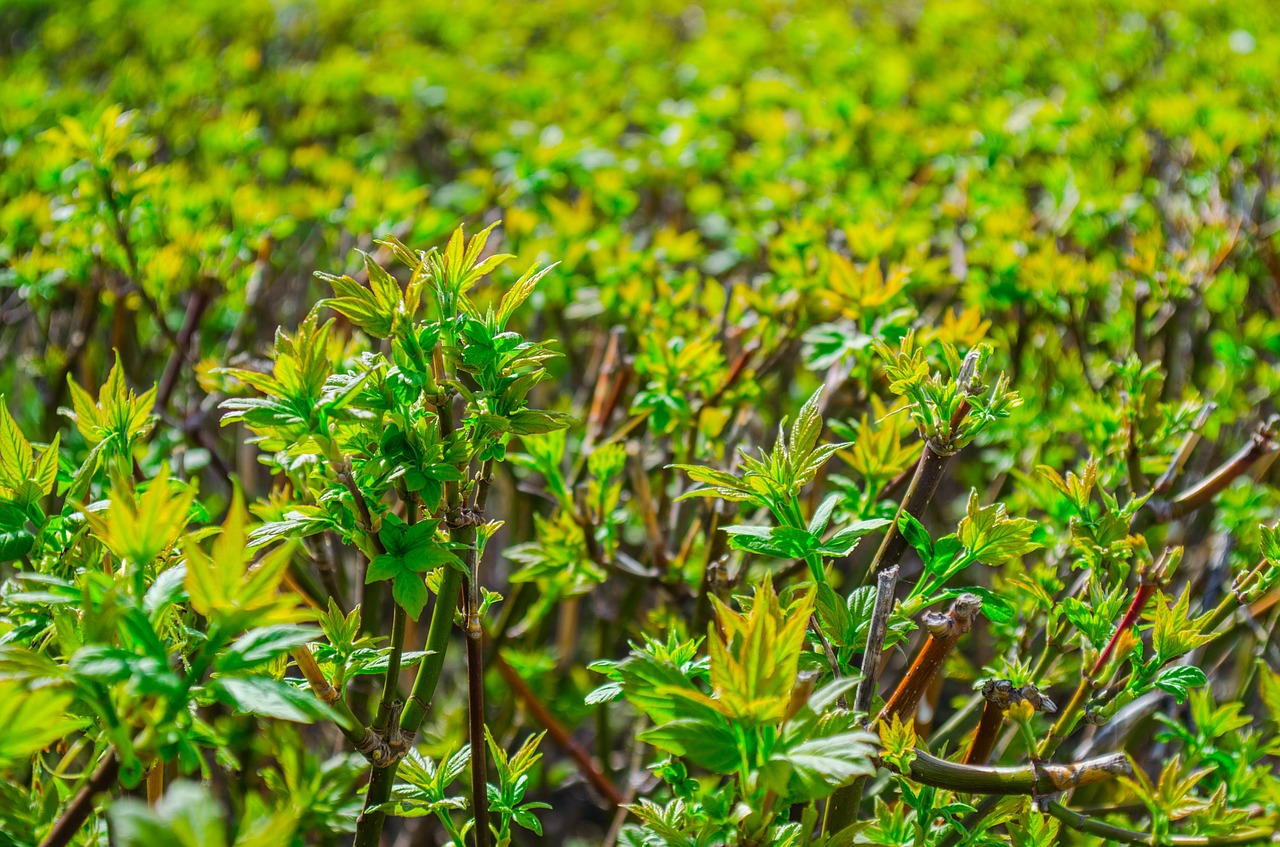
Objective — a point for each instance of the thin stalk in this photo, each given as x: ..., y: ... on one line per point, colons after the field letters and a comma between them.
x: 369, y: 825
x: 475, y: 668
x: 1089, y: 682
x: 842, y: 808
x: 1262, y: 445
x: 984, y: 739
x: 82, y: 806
x: 593, y: 773
x: 886, y: 583
x: 475, y: 711
x: 173, y: 368
x: 924, y: 484
x: 1120, y: 835
x: 155, y: 783
x: 1066, y: 722
x: 390, y: 681
x: 372, y: 818
x: 1189, y: 442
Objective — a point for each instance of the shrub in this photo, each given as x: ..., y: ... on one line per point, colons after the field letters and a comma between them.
x: 886, y: 457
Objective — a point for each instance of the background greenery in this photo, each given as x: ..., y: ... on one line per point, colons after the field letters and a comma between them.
x: 742, y: 197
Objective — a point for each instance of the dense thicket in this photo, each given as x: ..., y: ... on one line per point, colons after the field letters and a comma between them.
x: 992, y: 286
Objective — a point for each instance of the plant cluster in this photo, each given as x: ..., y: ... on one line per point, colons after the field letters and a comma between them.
x: 872, y: 443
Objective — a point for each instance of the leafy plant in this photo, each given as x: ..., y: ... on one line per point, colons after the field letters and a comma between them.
x: 887, y: 458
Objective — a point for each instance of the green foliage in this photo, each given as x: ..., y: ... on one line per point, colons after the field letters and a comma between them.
x: 1013, y: 264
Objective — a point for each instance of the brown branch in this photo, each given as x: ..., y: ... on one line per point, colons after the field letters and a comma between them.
x: 82, y: 805
x: 1262, y: 445
x: 945, y: 630
x: 586, y: 765
x: 886, y: 583
x: 1179, y: 461
x: 984, y: 739
x: 191, y: 321
x: 924, y: 483
x: 366, y: 742
x: 1151, y: 580
x: 603, y: 398
x: 475, y: 715
x: 998, y: 695
x: 364, y: 515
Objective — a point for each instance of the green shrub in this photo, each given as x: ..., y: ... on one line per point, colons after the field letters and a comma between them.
x: 886, y: 458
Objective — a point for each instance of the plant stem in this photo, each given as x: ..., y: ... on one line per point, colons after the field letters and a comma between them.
x: 586, y: 765
x: 391, y: 680
x: 1119, y: 835
x: 1033, y: 778
x: 475, y: 711
x: 984, y: 740
x: 1067, y: 720
x: 886, y: 583
x: 1088, y: 682
x: 842, y: 808
x: 1179, y: 461
x: 369, y: 825
x: 1262, y: 444
x: 82, y: 805
x: 357, y: 733
x: 173, y: 368
x: 924, y: 484
x: 475, y: 669
x: 944, y: 631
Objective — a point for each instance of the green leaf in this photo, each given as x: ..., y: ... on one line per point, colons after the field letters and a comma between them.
x: 822, y: 514
x: 707, y: 743
x: 14, y: 544
x: 815, y: 768
x: 1178, y: 681
x: 991, y: 536
x: 271, y: 698
x: 410, y: 591
x: 263, y: 644
x: 777, y: 542
x: 916, y: 535
x: 31, y: 720
x: 299, y: 522
x: 534, y: 422
x: 15, y: 453
x: 843, y: 542
x: 994, y: 607
x: 833, y: 611
x: 383, y: 567
x: 1174, y: 632
x: 807, y: 428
